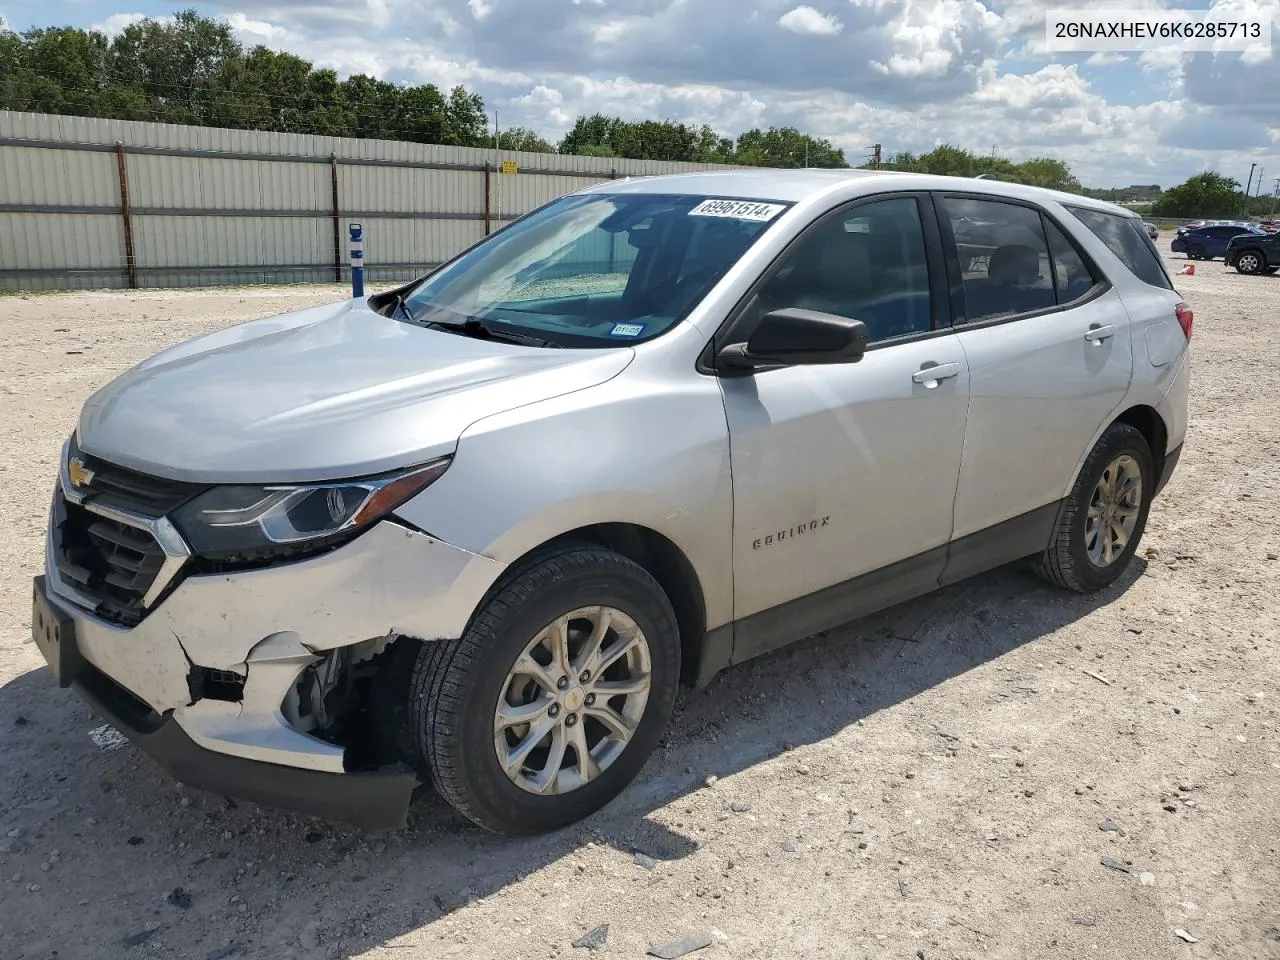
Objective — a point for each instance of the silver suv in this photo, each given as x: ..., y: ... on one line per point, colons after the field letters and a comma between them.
x: 476, y: 530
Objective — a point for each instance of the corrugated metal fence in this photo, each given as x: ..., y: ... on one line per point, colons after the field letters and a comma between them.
x: 89, y: 203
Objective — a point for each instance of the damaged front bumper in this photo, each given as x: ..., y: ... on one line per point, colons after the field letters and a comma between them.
x: 208, y: 682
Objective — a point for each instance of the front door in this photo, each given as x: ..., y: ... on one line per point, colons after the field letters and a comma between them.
x: 841, y: 470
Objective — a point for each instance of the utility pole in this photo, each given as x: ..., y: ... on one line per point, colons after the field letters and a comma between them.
x: 1275, y: 198
x: 1244, y: 206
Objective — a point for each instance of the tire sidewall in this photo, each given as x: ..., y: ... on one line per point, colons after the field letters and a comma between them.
x: 485, y: 781
x: 1116, y: 442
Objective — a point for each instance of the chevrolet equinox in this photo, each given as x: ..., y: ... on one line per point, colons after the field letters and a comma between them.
x: 475, y: 531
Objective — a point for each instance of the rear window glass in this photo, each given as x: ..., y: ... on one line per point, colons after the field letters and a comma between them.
x: 1125, y: 237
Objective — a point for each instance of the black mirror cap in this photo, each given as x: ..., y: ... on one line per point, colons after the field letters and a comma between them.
x: 793, y: 336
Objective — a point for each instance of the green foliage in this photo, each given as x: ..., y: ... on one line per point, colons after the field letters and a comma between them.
x: 951, y: 161
x: 602, y: 136
x: 1209, y: 195
x: 518, y: 138
x: 190, y: 69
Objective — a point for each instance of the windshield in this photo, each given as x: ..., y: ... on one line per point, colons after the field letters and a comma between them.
x: 595, y: 270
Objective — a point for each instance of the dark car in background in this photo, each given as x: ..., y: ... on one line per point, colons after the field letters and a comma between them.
x: 1254, y: 252
x: 1210, y: 241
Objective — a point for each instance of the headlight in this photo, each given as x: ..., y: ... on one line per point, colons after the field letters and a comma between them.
x: 240, y: 523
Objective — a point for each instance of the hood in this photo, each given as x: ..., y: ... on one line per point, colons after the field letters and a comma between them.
x: 325, y: 393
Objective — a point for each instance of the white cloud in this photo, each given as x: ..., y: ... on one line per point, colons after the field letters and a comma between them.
x: 1106, y: 59
x: 479, y: 8
x: 250, y: 32
x: 807, y: 21
x: 116, y: 24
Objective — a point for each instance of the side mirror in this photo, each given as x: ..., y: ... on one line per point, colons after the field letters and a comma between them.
x: 793, y: 336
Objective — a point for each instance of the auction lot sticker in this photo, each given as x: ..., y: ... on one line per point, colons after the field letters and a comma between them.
x: 737, y: 209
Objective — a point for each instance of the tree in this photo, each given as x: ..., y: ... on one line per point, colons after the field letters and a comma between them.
x: 1048, y: 173
x: 786, y: 147
x: 1204, y: 195
x: 598, y: 135
x: 952, y: 161
x: 518, y: 138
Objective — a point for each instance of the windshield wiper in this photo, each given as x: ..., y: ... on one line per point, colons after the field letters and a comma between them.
x: 473, y: 327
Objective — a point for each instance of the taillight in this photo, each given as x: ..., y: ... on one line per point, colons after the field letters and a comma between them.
x: 1185, y: 318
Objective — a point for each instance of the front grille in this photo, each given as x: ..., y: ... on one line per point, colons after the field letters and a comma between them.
x: 106, y: 561
x: 126, y: 489
x: 109, y: 563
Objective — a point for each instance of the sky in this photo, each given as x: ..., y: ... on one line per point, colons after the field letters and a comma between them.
x: 908, y: 74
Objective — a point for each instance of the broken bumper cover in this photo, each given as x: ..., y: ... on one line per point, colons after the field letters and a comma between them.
x: 267, y: 626
x: 371, y: 801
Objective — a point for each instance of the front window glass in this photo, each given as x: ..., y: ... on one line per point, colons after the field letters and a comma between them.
x: 596, y: 269
x: 867, y: 265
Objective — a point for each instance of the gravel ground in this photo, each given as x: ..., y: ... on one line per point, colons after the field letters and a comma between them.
x: 1000, y: 770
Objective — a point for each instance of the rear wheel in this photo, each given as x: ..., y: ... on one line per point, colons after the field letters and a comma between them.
x: 1250, y: 262
x: 551, y: 702
x: 1105, y: 515
x: 1195, y: 253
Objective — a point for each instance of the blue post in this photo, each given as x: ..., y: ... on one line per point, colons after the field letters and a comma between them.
x: 357, y: 260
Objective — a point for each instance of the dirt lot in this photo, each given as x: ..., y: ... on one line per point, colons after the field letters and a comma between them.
x: 946, y: 780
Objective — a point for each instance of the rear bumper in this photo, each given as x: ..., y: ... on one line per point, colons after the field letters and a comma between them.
x: 372, y: 801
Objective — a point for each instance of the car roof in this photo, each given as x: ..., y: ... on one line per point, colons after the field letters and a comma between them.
x: 793, y: 186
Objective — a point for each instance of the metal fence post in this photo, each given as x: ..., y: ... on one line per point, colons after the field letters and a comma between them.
x: 337, y: 220
x: 130, y: 263
x: 488, y: 198
x: 357, y: 260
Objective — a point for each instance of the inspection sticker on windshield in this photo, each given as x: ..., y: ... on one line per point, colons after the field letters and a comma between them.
x: 737, y: 209
x: 627, y: 330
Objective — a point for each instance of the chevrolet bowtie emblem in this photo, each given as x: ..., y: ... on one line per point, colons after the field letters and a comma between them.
x: 78, y: 473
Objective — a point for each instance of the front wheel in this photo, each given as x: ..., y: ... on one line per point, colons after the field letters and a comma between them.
x: 1104, y: 516
x: 1250, y: 262
x: 1195, y: 253
x: 556, y: 695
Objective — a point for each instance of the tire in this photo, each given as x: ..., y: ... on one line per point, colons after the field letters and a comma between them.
x: 1195, y: 253
x: 457, y: 686
x: 1250, y: 261
x: 1067, y: 562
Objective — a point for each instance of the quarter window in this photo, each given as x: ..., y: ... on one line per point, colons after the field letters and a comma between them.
x: 868, y: 264
x: 1004, y: 258
x: 1125, y: 238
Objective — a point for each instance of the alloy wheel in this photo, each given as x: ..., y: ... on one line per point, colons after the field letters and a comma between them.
x: 1113, y: 511
x: 572, y: 701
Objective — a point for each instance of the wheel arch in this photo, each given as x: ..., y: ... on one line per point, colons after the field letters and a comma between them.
x: 1262, y: 255
x: 1147, y: 420
x: 660, y: 556
x: 1151, y: 425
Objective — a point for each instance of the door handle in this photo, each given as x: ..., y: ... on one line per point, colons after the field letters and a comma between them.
x: 1097, y: 332
x: 930, y: 373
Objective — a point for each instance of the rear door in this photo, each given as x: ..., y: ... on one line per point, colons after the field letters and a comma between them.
x: 1157, y: 335
x: 1047, y: 342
